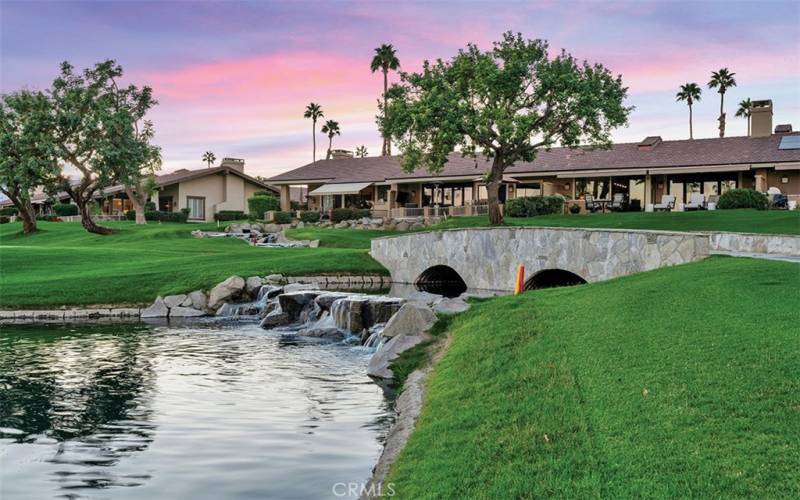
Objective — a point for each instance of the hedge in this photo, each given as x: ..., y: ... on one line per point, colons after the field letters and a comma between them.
x: 9, y: 211
x: 4, y: 219
x: 156, y: 215
x: 743, y: 198
x: 282, y: 218
x: 340, y: 214
x: 531, y: 206
x: 65, y: 209
x: 310, y: 217
x: 260, y: 204
x: 226, y: 215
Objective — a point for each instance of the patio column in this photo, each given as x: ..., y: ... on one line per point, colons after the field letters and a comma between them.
x: 648, y: 190
x: 761, y: 180
x: 285, y: 198
x: 419, y: 196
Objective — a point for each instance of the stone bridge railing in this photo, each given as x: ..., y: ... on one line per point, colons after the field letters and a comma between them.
x: 487, y: 258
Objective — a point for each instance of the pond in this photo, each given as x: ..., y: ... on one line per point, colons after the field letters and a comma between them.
x: 201, y: 411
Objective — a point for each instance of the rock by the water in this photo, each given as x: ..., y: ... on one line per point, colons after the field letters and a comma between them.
x: 383, y: 308
x: 157, y: 310
x: 275, y: 279
x: 402, y: 226
x: 293, y: 303
x: 298, y: 287
x: 229, y: 289
x: 451, y: 306
x: 275, y: 318
x: 174, y: 300
x: 252, y: 284
x: 424, y: 297
x: 325, y: 300
x: 388, y: 352
x: 196, y: 300
x: 352, y: 314
x: 184, y: 312
x: 411, y: 319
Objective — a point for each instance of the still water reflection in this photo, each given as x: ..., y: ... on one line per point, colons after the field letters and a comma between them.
x: 131, y: 411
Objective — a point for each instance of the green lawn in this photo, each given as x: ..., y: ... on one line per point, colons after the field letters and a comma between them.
x: 65, y: 265
x: 747, y: 221
x: 680, y: 382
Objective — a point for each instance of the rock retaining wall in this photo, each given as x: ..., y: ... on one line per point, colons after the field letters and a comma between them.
x: 750, y: 243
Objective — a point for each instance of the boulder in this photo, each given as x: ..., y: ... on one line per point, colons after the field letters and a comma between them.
x: 275, y: 318
x: 271, y: 228
x: 298, y: 287
x: 451, y: 306
x: 402, y: 226
x: 352, y: 314
x: 383, y: 308
x: 184, y: 312
x: 270, y: 307
x: 275, y: 279
x: 293, y: 303
x: 424, y: 297
x: 326, y: 299
x: 267, y: 292
x: 301, y: 225
x: 417, y: 226
x: 196, y: 300
x: 388, y: 352
x: 230, y: 289
x: 158, y: 310
x: 252, y: 284
x: 313, y: 244
x: 174, y: 300
x: 411, y: 319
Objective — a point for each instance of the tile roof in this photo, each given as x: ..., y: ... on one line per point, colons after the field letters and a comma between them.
x: 681, y: 153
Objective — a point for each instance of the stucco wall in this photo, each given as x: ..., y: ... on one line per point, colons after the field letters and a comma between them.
x: 488, y: 257
x: 210, y: 187
x: 774, y: 180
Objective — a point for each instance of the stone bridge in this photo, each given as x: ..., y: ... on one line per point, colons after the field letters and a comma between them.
x: 487, y: 258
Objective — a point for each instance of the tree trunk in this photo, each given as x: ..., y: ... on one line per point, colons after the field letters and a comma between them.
x: 28, y: 216
x: 314, y: 141
x: 690, y: 122
x: 387, y: 145
x: 330, y: 147
x: 722, y: 114
x: 86, y: 217
x: 138, y: 201
x: 493, y: 190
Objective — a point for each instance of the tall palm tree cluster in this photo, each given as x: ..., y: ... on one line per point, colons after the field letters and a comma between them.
x: 385, y: 60
x: 721, y: 80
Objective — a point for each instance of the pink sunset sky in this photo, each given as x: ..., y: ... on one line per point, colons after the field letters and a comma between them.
x: 235, y: 77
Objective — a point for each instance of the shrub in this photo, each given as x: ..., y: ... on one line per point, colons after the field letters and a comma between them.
x: 310, y: 217
x: 575, y: 209
x: 65, y: 209
x: 364, y: 212
x: 340, y: 214
x: 4, y: 219
x: 225, y: 215
x: 48, y: 218
x: 283, y: 218
x: 743, y: 198
x: 9, y: 211
x: 150, y: 207
x: 156, y: 215
x: 259, y: 204
x: 531, y: 206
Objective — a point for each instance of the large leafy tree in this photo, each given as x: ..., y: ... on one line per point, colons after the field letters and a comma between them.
x: 99, y: 130
x: 313, y: 111
x: 744, y: 110
x: 503, y: 105
x: 385, y: 59
x: 690, y: 93
x: 722, y: 80
x: 29, y: 158
x: 330, y: 128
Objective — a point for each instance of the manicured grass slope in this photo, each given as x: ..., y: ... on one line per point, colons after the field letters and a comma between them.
x: 747, y: 221
x: 65, y: 265
x: 674, y: 383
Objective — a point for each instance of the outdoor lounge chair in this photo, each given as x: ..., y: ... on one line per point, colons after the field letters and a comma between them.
x: 697, y: 201
x: 619, y: 203
x: 591, y: 205
x: 667, y: 203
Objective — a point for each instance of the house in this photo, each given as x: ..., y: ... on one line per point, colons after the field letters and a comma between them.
x: 204, y: 192
x: 642, y: 171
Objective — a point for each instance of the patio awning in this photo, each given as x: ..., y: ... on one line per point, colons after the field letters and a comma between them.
x: 344, y: 188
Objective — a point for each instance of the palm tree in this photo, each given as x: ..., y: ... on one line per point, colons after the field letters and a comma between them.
x: 744, y: 112
x: 209, y: 158
x: 385, y: 59
x: 361, y: 152
x: 690, y: 92
x: 331, y: 128
x: 313, y: 111
x: 722, y: 80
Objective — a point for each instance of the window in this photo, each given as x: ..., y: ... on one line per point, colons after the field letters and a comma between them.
x: 197, y: 207
x: 383, y: 194
x: 532, y: 189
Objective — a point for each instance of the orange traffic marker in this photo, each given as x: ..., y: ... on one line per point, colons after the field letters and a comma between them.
x: 519, y: 286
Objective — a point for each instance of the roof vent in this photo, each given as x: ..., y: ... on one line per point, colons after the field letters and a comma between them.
x: 783, y: 129
x: 649, y: 143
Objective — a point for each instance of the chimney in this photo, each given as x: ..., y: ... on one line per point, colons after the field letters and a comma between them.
x: 233, y: 163
x: 339, y: 154
x: 649, y: 143
x: 761, y: 118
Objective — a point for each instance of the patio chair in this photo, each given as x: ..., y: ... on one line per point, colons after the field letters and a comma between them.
x: 591, y: 205
x: 697, y: 201
x: 619, y: 203
x: 667, y: 203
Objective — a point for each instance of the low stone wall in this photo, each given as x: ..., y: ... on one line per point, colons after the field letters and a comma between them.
x: 750, y: 243
x: 487, y: 258
x: 57, y: 315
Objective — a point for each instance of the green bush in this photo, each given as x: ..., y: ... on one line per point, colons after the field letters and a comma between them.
x: 282, y: 218
x: 150, y: 207
x: 9, y: 211
x: 65, y: 209
x: 226, y: 215
x: 310, y: 217
x: 4, y: 219
x: 340, y: 214
x: 259, y: 204
x: 156, y: 215
x: 743, y: 198
x: 531, y: 206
